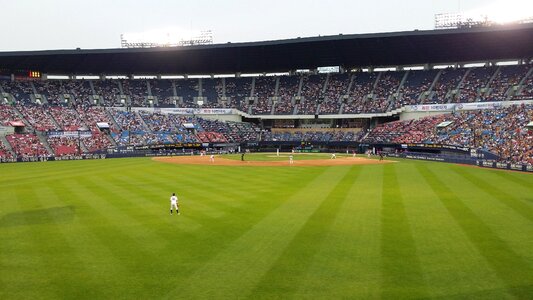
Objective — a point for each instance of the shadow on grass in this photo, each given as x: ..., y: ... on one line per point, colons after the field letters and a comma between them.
x: 62, y: 214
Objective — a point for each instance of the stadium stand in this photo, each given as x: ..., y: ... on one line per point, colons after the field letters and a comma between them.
x: 501, y: 131
x: 38, y: 117
x: 27, y: 145
x: 68, y: 105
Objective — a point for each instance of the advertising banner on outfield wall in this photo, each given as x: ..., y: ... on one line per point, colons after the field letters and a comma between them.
x: 436, y: 146
x: 168, y: 146
x: 505, y: 166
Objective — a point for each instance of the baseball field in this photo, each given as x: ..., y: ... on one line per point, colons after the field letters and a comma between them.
x: 406, y: 229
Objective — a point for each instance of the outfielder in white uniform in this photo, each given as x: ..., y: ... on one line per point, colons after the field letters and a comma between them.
x: 174, y: 203
x: 212, y: 158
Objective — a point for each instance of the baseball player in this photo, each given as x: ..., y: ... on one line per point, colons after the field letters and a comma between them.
x: 174, y: 203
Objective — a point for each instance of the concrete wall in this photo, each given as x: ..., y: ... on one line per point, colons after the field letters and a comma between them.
x: 234, y: 118
x: 420, y: 114
x: 5, y: 130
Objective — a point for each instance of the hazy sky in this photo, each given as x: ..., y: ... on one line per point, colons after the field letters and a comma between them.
x: 88, y: 24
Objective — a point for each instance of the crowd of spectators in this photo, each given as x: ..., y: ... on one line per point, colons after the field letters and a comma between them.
x: 51, y: 89
x: 8, y: 114
x: 211, y: 137
x: 187, y: 89
x: 312, y: 91
x: 501, y: 131
x: 363, y: 84
x: 243, y: 132
x: 63, y: 146
x: 128, y: 120
x: 27, y: 145
x: 80, y: 90
x: 109, y: 90
x: 158, y: 122
x: 386, y: 87
x: 21, y: 90
x: 98, y: 141
x: 264, y: 89
x: 449, y: 80
x: 416, y: 83
x: 38, y: 117
x: 473, y: 83
x: 313, y: 136
x: 5, y: 154
x: 93, y: 115
x: 526, y: 90
x: 163, y: 90
x: 68, y: 119
x: 505, y: 80
x: 288, y: 89
x: 321, y: 92
x: 336, y: 89
x: 137, y: 90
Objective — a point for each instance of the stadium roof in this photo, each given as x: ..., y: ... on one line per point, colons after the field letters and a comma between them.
x: 349, y: 51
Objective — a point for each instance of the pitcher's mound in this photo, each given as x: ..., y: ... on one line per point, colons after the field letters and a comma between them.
x: 221, y: 161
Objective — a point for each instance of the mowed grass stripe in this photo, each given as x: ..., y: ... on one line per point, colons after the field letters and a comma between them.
x: 63, y: 170
x: 512, y: 269
x: 198, y: 197
x: 221, y: 196
x: 194, y: 197
x: 155, y: 199
x: 218, y: 231
x: 119, y: 211
x: 22, y: 267
x: 117, y: 240
x: 91, y: 264
x: 286, y: 274
x: 143, y: 207
x: 119, y: 232
x: 239, y: 219
x: 40, y: 247
x: 216, y: 195
x: 347, y: 265
x: 450, y: 263
x: 515, y: 230
x: 238, y: 268
x: 494, y: 191
x: 237, y: 182
x: 401, y: 269
x: 525, y: 180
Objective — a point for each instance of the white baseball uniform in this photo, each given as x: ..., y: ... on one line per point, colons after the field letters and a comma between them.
x: 174, y: 202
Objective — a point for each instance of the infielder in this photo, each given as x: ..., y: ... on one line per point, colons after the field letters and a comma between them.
x: 174, y: 203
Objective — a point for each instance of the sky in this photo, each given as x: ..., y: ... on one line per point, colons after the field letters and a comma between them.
x: 95, y: 24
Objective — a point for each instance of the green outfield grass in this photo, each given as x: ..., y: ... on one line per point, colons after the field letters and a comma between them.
x: 102, y: 230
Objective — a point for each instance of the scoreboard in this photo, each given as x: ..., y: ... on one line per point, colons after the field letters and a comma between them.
x: 34, y: 74
x: 22, y: 74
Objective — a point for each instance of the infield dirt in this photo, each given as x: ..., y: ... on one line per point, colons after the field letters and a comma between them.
x: 220, y: 161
